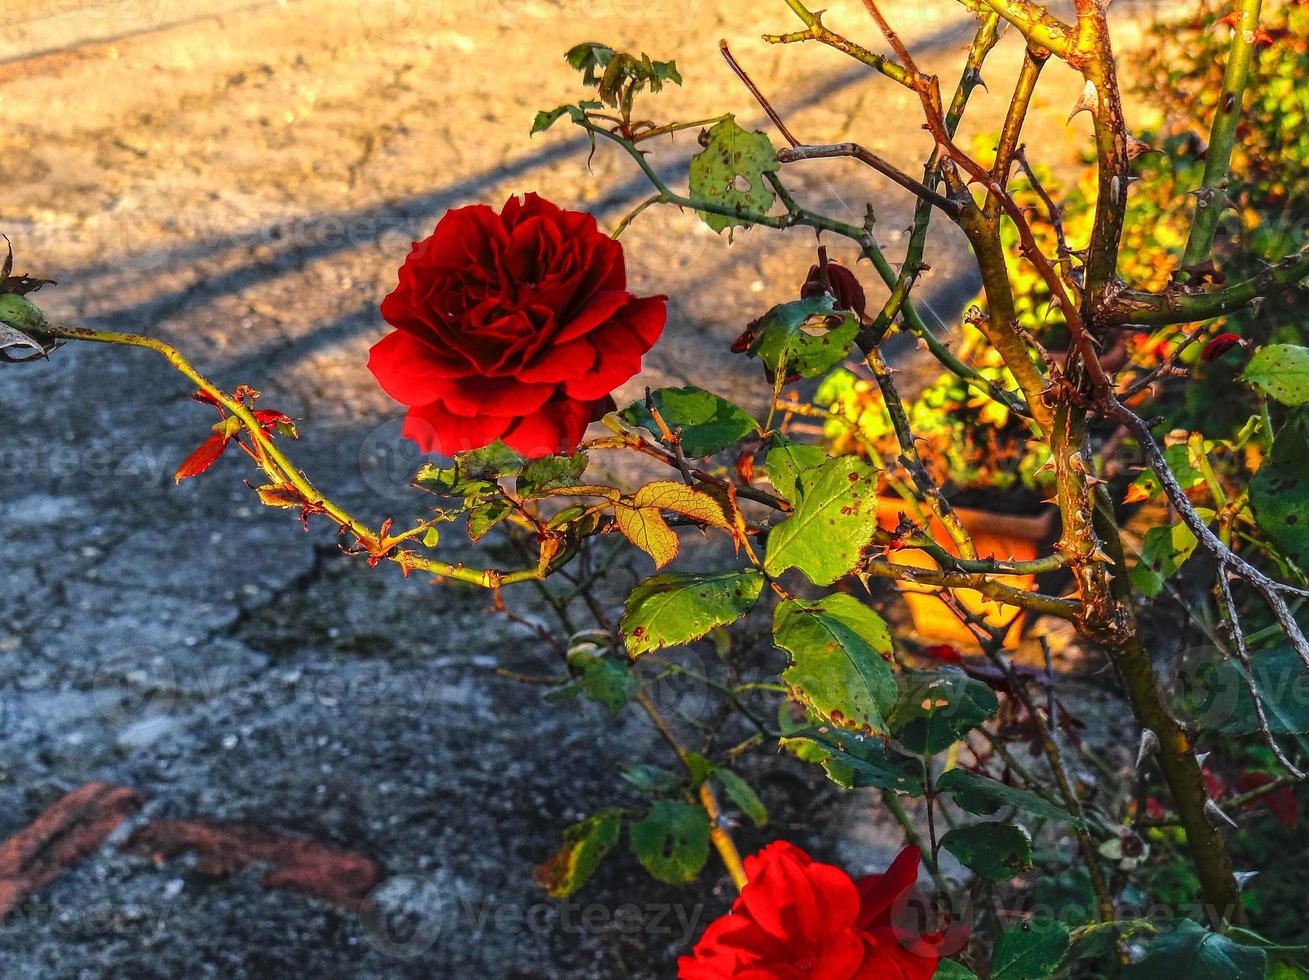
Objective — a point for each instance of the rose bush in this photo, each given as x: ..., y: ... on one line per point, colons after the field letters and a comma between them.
x: 513, y: 326
x: 798, y: 918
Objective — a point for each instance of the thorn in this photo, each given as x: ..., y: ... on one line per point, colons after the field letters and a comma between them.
x: 1215, y: 815
x: 1149, y: 746
x: 1088, y: 101
x: 1136, y: 147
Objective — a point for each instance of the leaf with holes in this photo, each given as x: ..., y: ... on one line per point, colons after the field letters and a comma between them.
x: 729, y: 173
x: 1279, y: 492
x: 676, y: 608
x: 709, y: 424
x: 672, y: 841
x: 997, y: 851
x: 937, y: 707
x: 585, y: 843
x: 804, y: 338
x: 1282, y: 372
x: 831, y: 526
x: 839, y: 650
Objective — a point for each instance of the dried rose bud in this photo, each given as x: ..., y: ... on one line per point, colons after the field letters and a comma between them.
x: 842, y: 285
x: 1221, y: 344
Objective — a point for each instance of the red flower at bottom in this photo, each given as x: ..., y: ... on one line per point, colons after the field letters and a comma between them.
x: 799, y: 919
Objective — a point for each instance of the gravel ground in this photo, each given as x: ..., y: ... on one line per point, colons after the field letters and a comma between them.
x: 242, y: 179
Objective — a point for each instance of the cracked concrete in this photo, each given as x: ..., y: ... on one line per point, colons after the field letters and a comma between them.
x: 242, y: 179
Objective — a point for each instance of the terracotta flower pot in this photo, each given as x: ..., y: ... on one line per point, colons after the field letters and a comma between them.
x: 1004, y: 536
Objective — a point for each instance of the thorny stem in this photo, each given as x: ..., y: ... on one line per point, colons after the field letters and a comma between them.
x: 282, y: 471
x: 1211, y: 197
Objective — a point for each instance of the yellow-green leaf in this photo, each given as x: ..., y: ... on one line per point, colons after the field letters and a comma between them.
x: 832, y: 524
x: 839, y: 668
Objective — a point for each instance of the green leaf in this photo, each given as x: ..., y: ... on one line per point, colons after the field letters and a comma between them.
x: 1069, y: 894
x: 1031, y: 950
x: 708, y: 424
x: 839, y: 668
x: 585, y: 843
x: 740, y: 793
x: 1279, y: 492
x: 1165, y: 550
x: 672, y: 841
x: 856, y: 761
x: 698, y: 767
x: 474, y: 474
x: 786, y: 347
x: 1190, y: 950
x: 590, y: 58
x: 831, y: 526
x: 790, y: 465
x: 451, y: 482
x: 950, y: 970
x: 729, y: 173
x: 650, y: 779
x: 676, y: 607
x: 605, y: 679
x: 550, y: 472
x: 983, y: 796
x: 1281, y: 371
x: 489, y: 462
x: 936, y: 708
x: 487, y: 514
x: 994, y: 850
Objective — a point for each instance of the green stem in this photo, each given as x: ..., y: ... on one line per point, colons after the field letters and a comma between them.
x: 1211, y: 199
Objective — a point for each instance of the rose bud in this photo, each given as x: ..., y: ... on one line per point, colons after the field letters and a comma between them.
x: 841, y: 284
x: 1221, y: 344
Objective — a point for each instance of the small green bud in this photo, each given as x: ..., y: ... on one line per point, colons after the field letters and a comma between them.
x: 21, y: 314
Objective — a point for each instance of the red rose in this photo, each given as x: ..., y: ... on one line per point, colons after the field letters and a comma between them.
x: 798, y: 919
x: 512, y: 326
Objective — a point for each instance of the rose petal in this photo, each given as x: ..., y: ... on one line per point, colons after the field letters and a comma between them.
x: 561, y: 363
x: 877, y: 893
x: 556, y: 428
x: 410, y: 370
x: 437, y: 430
x: 597, y: 311
x: 646, y: 316
x: 493, y: 396
x: 618, y: 358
